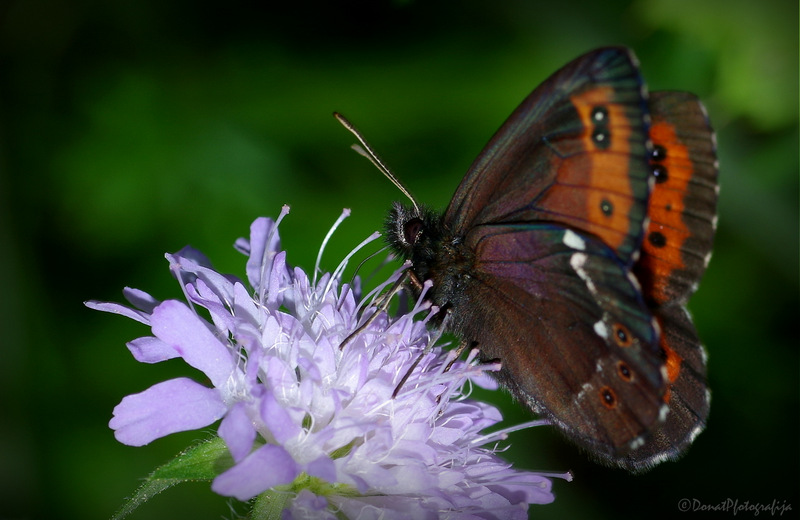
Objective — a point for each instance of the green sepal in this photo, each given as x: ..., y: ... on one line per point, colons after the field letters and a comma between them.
x: 270, y: 504
x: 201, y: 462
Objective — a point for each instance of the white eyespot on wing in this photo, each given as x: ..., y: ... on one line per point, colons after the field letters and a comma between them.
x: 574, y: 240
x: 636, y: 443
x: 586, y: 387
x: 601, y: 329
x: 695, y: 432
x: 703, y: 354
x: 662, y: 413
x: 634, y: 281
x: 577, y: 261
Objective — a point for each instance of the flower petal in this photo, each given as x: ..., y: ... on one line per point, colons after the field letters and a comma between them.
x: 190, y: 265
x: 175, y: 324
x: 149, y: 349
x: 122, y: 310
x: 267, y: 467
x: 323, y: 467
x: 524, y: 488
x: 237, y: 431
x: 278, y: 276
x: 264, y: 245
x: 172, y: 406
x: 203, y: 295
x: 277, y: 418
x: 307, y: 505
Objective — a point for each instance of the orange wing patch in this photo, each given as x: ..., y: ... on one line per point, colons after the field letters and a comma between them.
x: 595, y: 184
x: 672, y: 362
x: 667, y: 232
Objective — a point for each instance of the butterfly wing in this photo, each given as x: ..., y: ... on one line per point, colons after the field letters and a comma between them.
x: 535, y: 254
x: 683, y: 205
x: 675, y: 253
x: 574, y: 153
x: 687, y: 397
x: 576, y: 341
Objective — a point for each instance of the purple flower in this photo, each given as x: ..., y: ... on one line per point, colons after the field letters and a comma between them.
x: 302, y: 416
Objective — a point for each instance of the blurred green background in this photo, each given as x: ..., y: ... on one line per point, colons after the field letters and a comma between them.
x: 129, y: 129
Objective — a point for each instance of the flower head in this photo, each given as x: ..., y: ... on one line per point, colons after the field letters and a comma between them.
x: 302, y: 416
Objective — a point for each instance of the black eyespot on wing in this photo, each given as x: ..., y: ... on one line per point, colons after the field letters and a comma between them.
x: 601, y: 137
x: 624, y: 371
x: 622, y: 336
x: 606, y: 207
x: 659, y: 153
x: 608, y: 397
x: 657, y: 239
x: 660, y: 173
x: 600, y: 115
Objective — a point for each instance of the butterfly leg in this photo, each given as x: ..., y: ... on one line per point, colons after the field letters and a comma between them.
x: 381, y: 308
x: 457, y: 353
x: 439, y: 331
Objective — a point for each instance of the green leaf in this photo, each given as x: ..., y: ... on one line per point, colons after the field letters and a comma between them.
x: 201, y: 462
x: 269, y: 505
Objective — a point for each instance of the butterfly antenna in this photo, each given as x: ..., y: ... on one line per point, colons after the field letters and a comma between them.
x: 366, y: 150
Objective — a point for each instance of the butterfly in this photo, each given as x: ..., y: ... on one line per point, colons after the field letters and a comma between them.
x: 569, y: 251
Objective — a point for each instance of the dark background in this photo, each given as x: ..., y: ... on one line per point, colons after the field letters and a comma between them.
x: 129, y: 129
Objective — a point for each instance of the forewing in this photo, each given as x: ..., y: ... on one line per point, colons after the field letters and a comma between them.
x: 574, y: 153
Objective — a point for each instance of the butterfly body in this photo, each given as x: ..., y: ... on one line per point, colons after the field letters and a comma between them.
x: 568, y: 253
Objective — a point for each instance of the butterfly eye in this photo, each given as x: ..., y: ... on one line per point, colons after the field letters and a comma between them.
x: 412, y: 230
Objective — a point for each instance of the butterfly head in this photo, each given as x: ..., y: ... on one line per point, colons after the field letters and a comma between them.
x: 409, y: 228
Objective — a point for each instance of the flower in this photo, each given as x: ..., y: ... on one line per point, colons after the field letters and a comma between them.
x: 308, y: 407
